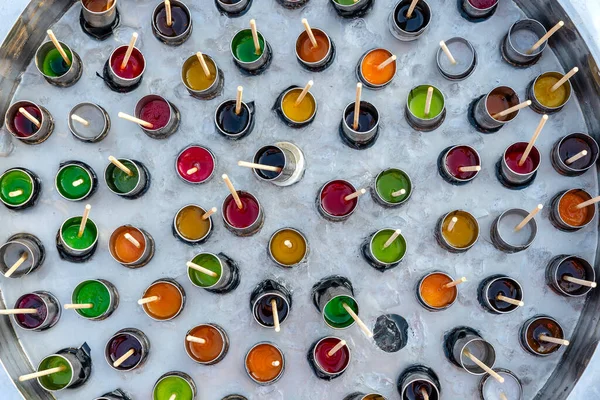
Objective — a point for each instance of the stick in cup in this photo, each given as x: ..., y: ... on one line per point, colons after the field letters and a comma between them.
x: 56, y: 44
x: 537, y: 132
x: 309, y: 32
x: 482, y: 365
x: 238, y: 100
x: 84, y: 218
x: 447, y: 52
x: 203, y: 64
x: 120, y: 165
x: 454, y: 283
x: 134, y: 37
x: 17, y: 264
x: 529, y: 217
x: 357, y: 106
x: 512, y: 109
x: 30, y: 117
x: 255, y: 36
x: 201, y: 269
x: 356, y: 194
x: 336, y: 348
x: 131, y: 118
x: 39, y: 374
x: 358, y: 321
x: 236, y: 198
x: 565, y: 78
x: 275, y: 315
x: 540, y: 42
x: 258, y: 166
x: 303, y: 93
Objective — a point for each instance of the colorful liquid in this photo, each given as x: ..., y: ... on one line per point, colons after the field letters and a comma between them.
x: 189, y: 223
x: 417, y: 99
x: 301, y: 112
x: 70, y: 231
x: 305, y: 49
x: 570, y: 267
x: 135, y: 65
x: 231, y: 122
x: 542, y: 92
x: 546, y: 327
x: 269, y: 155
x: 209, y: 351
x: 244, y: 217
x: 390, y: 181
x: 13, y: 181
x: 569, y: 213
x: 121, y: 344
x: 119, y: 181
x: 157, y: 112
x: 462, y: 156
x: 263, y: 310
x: 465, y: 230
x: 288, y: 255
x: 336, y: 315
x: 370, y: 64
x: 483, y: 4
x: 433, y: 292
x: 367, y: 119
x: 31, y: 321
x: 54, y: 65
x: 499, y: 100
x: 332, y: 198
x: 391, y: 254
x: 73, y: 173
x: 414, y: 391
x: 169, y: 303
x: 98, y: 5
x: 346, y: 2
x: 195, y: 157
x: 259, y: 362
x: 417, y: 21
x: 335, y: 363
x: 193, y: 75
x: 572, y: 146
x: 504, y: 287
x: 24, y: 127
x: 93, y: 292
x: 122, y: 249
x: 172, y: 385
x: 180, y: 21
x: 242, y: 46
x: 513, y: 155
x: 210, y: 262
x: 57, y: 380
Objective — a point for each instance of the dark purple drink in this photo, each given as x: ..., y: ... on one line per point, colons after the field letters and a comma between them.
x: 124, y: 341
x: 48, y: 311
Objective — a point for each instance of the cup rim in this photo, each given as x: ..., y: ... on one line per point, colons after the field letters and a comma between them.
x: 73, y: 164
x: 220, y: 266
x: 214, y: 82
x: 271, y: 252
x: 62, y: 44
x: 223, y: 338
x: 110, y: 295
x: 33, y: 187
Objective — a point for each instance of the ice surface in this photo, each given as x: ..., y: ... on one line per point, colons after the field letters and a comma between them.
x: 335, y: 248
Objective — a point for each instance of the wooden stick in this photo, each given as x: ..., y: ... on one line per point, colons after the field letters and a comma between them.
x: 509, y: 300
x: 424, y: 394
x: 131, y: 118
x: 238, y: 100
x: 134, y: 37
x: 386, y: 62
x: 451, y: 224
x: 503, y: 396
x: 15, y: 193
x: 565, y: 78
x: 84, y: 218
x: 529, y: 217
x: 428, y: 100
x: 173, y: 397
x: 309, y: 32
x: 120, y: 165
x: 18, y: 311
x: 482, y: 365
x: 413, y: 4
x: 17, y: 264
x: 396, y: 233
x: 512, y: 109
x: 355, y: 194
x: 201, y: 269
x: 357, y: 106
x: 537, y: 132
x: 398, y: 192
x: 39, y: 374
x: 288, y: 244
x: 447, y: 52
x: 77, y: 118
x: 168, y: 11
x: 82, y: 306
x: 195, y: 339
x: 60, y: 49
x: 576, y: 157
x: 255, y: 36
x: 588, y: 202
x: 192, y: 170
x: 303, y: 93
x: 129, y: 353
x: 578, y: 281
x: 470, y: 168
x: 258, y: 166
x: 358, y: 321
x: 275, y: 363
x: 336, y: 348
x: 30, y: 117
x: 210, y: 212
x: 540, y: 42
x: 234, y: 193
x: 275, y: 315
x: 454, y: 283
x: 203, y: 64
x: 551, y: 339
x: 78, y: 182
x: 146, y: 300
x: 132, y: 240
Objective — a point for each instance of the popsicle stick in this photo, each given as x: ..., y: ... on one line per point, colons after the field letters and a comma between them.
x: 39, y: 374
x: 396, y: 233
x: 131, y: 118
x: 210, y: 212
x: 15, y: 193
x: 288, y: 244
x: 168, y: 12
x: 540, y: 42
x: 528, y: 217
x: 146, y: 300
x: 132, y: 240
x: 357, y: 106
x: 336, y: 348
x: 413, y: 4
x: 358, y: 321
x: 588, y: 202
x: 578, y: 281
x: 387, y: 62
x: 77, y: 182
x: 77, y: 118
x: 537, y: 132
x: 355, y: 194
x: 30, y: 117
x: 453, y: 222
x: 84, y: 218
x: 17, y: 264
x: 129, y: 352
x: 173, y: 397
x: 259, y: 166
x: 120, y: 165
x: 56, y: 44
x: 309, y: 32
x: 203, y: 64
x: 508, y: 300
x: 192, y: 170
x: 551, y: 339
x: 482, y: 365
x: 13, y: 311
x: 470, y: 168
x: 576, y: 157
x: 238, y: 100
x: 428, y: 100
x: 234, y: 193
x: 275, y: 363
x: 512, y: 109
x: 565, y: 78
x: 195, y: 339
x: 82, y: 306
x: 201, y: 269
x: 454, y: 283
x: 275, y: 315
x: 447, y: 52
x: 398, y: 192
x: 255, y: 36
x: 503, y: 396
x: 134, y: 37
x: 303, y: 93
x: 424, y: 394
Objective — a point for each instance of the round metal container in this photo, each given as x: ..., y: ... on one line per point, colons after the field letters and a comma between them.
x: 464, y: 338
x: 100, y: 19
x: 142, y: 184
x: 482, y: 116
x: 36, y: 188
x: 271, y: 256
x: 484, y: 289
x: 421, y: 124
x: 214, y: 160
x: 289, y: 165
x: 442, y: 240
x: 181, y: 375
x: 356, y: 138
x: 174, y: 283
x: 80, y: 363
x: 472, y: 60
x: 380, y: 200
x: 290, y: 122
x: 367, y: 252
x: 256, y: 66
x: 422, y: 301
x: 514, y: 178
x: 125, y: 82
x: 146, y: 255
x: 486, y: 378
x: 478, y: 13
x: 445, y: 172
x: 214, y: 89
x: 536, y: 105
x: 554, y: 275
x: 273, y: 293
x: 171, y: 126
x: 101, y: 132
x: 363, y: 79
x: 319, y: 371
x: 82, y: 254
x: 523, y: 335
x: 90, y: 172
x: 280, y: 372
x: 46, y: 123
x: 53, y: 311
x: 251, y: 229
x: 142, y: 340
x: 418, y: 373
x: 246, y: 131
x: 559, y: 222
x: 224, y: 349
x: 320, y: 63
x: 172, y: 40
x: 403, y: 35
x: 510, y: 51
x: 324, y: 213
x: 329, y: 288
x: 70, y: 77
x: 113, y: 302
x: 225, y: 280
x: 502, y: 243
x: 186, y: 240
x: 11, y: 250
x: 561, y: 166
